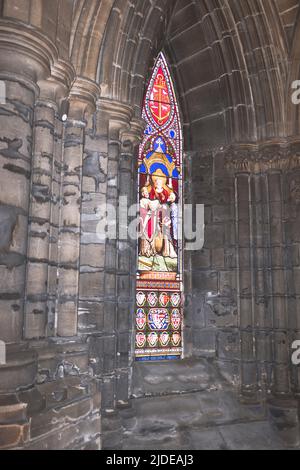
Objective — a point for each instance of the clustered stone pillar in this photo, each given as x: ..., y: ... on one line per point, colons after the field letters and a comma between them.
x: 281, y: 385
x: 118, y: 118
x: 292, y: 201
x: 70, y: 212
x: 31, y: 63
x: 24, y: 60
x: 244, y: 226
x: 127, y: 262
x: 41, y: 281
x: 56, y: 190
x: 16, y: 123
x: 41, y: 162
x: 283, y: 408
x: 69, y: 226
x: 268, y: 265
x: 40, y: 215
x: 92, y: 250
x: 261, y: 280
x: 108, y: 255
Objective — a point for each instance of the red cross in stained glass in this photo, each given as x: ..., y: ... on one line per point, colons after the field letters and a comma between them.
x: 159, y: 105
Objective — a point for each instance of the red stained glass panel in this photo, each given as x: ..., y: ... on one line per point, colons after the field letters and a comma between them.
x: 159, y: 313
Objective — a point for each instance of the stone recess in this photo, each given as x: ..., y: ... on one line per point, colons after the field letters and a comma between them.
x: 73, y: 76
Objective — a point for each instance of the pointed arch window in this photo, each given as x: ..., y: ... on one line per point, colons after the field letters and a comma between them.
x: 159, y: 295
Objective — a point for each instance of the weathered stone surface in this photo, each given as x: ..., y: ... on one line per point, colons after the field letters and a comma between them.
x: 183, y: 376
x: 209, y: 419
x: 19, y: 371
x: 13, y: 435
x: 72, y: 79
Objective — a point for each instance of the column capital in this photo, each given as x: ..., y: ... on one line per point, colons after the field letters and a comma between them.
x: 261, y: 158
x: 25, y: 53
x: 56, y: 88
x: 83, y: 98
x: 134, y: 134
x: 118, y: 114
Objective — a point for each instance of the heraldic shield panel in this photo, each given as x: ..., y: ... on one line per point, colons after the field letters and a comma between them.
x: 159, y: 295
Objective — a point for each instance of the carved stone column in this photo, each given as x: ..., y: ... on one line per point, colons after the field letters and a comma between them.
x: 127, y: 262
x: 246, y: 283
x: 43, y: 225
x: 292, y: 201
x: 42, y: 181
x: 26, y: 57
x: 83, y: 98
x: 32, y: 57
x: 267, y: 284
x: 117, y: 116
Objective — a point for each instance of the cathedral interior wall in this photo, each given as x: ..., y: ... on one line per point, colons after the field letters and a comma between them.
x: 67, y: 296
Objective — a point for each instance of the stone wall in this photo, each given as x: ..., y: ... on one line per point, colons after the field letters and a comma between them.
x: 107, y: 266
x: 66, y: 295
x: 245, y: 278
x: 214, y: 285
x: 49, y: 396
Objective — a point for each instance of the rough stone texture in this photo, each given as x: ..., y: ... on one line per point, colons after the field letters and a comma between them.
x: 67, y: 295
x: 15, y: 157
x: 39, y: 229
x: 207, y: 418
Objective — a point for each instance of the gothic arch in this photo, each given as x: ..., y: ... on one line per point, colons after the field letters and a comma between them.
x: 248, y: 62
x: 250, y: 68
x: 115, y: 43
x: 125, y: 58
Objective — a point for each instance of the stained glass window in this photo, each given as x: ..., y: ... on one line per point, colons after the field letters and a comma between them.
x: 159, y: 315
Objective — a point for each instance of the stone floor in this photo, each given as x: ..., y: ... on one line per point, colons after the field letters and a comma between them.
x: 187, y: 406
